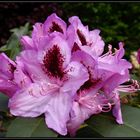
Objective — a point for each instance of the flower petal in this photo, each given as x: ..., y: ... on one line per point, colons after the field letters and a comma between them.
x: 77, y: 75
x: 78, y: 115
x: 82, y: 109
x: 70, y: 36
x: 26, y: 42
x: 88, y: 41
x: 114, y: 81
x: 114, y: 63
x: 97, y: 77
x: 97, y: 42
x: 117, y: 110
x: 8, y: 87
x: 39, y: 38
x: 80, y: 32
x: 57, y: 113
x: 7, y: 67
x: 62, y: 44
x: 30, y: 102
x: 54, y: 23
x: 85, y: 59
x: 30, y: 62
x: 20, y: 78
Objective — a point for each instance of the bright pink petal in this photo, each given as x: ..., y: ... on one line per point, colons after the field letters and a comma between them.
x: 70, y: 36
x: 115, y: 80
x: 114, y: 62
x: 89, y: 41
x: 26, y: 42
x: 82, y: 109
x: 77, y: 117
x: 20, y: 78
x: 58, y: 110
x: 7, y: 66
x: 120, y: 53
x: 54, y: 24
x: 38, y: 37
x: 81, y: 32
x: 117, y: 110
x: 31, y: 101
x: 61, y: 43
x: 97, y: 77
x: 8, y: 87
x: 97, y: 43
x: 31, y: 62
x: 77, y: 75
x: 84, y: 59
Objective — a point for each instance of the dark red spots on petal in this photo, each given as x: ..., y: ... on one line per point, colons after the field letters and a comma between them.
x: 81, y: 37
x: 86, y: 85
x: 89, y: 83
x: 12, y: 68
x: 53, y: 63
x: 75, y: 47
x: 55, y: 27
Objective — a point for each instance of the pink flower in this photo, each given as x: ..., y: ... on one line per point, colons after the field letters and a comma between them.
x: 7, y: 83
x: 100, y: 93
x: 62, y: 73
x: 54, y: 79
x: 88, y: 41
x: 114, y: 61
x: 138, y: 56
x: 42, y: 31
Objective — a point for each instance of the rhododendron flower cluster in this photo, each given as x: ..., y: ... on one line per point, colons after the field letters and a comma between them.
x: 62, y: 73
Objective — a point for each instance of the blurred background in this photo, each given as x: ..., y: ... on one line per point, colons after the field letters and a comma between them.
x: 118, y: 21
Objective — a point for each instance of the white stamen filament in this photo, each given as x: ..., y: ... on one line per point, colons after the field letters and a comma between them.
x: 130, y: 88
x: 109, y: 51
x: 93, y: 103
x: 105, y: 107
x: 47, y: 88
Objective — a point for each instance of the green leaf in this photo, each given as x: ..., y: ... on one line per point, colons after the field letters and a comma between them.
x: 29, y: 127
x: 3, y: 102
x: 22, y: 30
x: 106, y: 125
x: 12, y: 47
x: 135, y: 77
x: 87, y: 132
x: 5, y: 124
